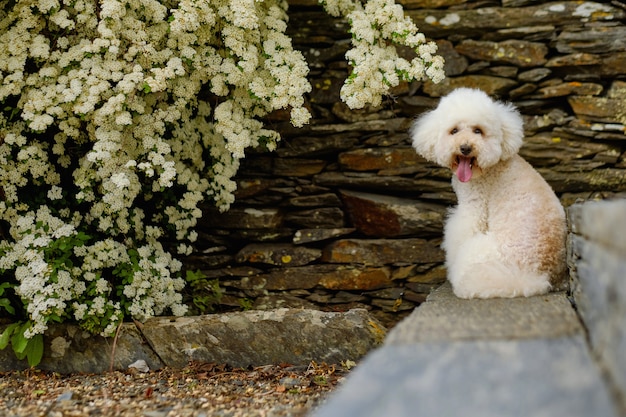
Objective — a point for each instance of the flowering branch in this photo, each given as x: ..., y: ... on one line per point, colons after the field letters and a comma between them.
x: 376, y: 66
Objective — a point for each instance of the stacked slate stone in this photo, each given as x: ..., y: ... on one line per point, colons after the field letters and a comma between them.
x: 345, y: 214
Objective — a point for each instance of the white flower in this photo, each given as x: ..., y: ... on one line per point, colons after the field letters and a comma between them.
x: 63, y: 231
x: 124, y: 118
x: 55, y: 193
x: 61, y: 19
x: 120, y: 180
x: 45, y: 6
x: 300, y: 116
x: 184, y: 249
x: 102, y: 286
x: 79, y: 311
x: 179, y: 309
x: 39, y: 47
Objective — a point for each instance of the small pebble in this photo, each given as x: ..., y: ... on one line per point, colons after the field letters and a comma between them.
x: 139, y: 365
x: 289, y: 382
x: 66, y: 396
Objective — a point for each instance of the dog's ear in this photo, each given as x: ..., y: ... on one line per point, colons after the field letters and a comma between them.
x: 425, y: 134
x: 512, y: 129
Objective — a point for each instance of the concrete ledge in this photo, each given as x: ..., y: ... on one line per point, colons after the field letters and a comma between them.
x: 498, y: 357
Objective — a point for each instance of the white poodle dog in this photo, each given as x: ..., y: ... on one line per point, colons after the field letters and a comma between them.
x: 506, y: 237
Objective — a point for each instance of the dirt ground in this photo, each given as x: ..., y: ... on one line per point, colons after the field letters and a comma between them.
x: 197, y: 390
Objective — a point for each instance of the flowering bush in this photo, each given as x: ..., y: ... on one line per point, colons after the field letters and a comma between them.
x: 120, y: 116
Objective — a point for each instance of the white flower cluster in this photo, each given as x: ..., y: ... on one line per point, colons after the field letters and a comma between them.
x: 64, y: 277
x: 47, y: 277
x: 376, y: 66
x: 109, y: 115
x: 152, y: 289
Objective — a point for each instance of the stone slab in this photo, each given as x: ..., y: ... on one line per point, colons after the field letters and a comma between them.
x: 383, y: 251
x: 444, y: 317
x: 387, y: 216
x: 539, y: 378
x: 256, y: 338
x: 69, y: 349
x: 241, y: 339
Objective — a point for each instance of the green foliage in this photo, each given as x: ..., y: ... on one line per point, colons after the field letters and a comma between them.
x: 59, y: 255
x: 5, y: 302
x: 206, y: 293
x: 24, y: 348
x: 245, y: 304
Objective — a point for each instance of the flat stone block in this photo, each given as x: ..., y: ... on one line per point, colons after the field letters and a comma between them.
x: 69, y: 349
x: 335, y: 277
x: 383, y: 251
x: 445, y: 317
x: 386, y: 216
x: 539, y: 378
x: 259, y: 338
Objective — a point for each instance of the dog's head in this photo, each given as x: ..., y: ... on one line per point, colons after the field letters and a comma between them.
x: 468, y: 132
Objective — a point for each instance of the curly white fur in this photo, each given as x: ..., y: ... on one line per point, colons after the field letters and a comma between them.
x: 506, y: 237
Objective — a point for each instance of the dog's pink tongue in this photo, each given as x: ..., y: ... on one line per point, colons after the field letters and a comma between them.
x: 464, y: 170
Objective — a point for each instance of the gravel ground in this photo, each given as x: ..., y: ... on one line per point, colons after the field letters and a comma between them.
x: 198, y: 390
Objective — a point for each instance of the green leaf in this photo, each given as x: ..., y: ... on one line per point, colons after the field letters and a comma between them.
x: 5, y: 337
x: 4, y: 286
x: 20, y: 356
x: 82, y: 237
x: 55, y: 318
x: 19, y: 342
x: 34, y: 350
x: 6, y: 304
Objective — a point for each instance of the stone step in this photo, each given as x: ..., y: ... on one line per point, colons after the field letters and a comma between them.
x: 497, y: 357
x: 444, y: 317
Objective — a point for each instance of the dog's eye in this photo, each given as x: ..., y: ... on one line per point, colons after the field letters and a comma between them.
x: 454, y: 131
x: 478, y: 131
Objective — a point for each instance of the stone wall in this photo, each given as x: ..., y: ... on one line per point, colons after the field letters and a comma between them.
x: 345, y: 213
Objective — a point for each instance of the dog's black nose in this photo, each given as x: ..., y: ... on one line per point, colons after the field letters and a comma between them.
x: 466, y: 149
